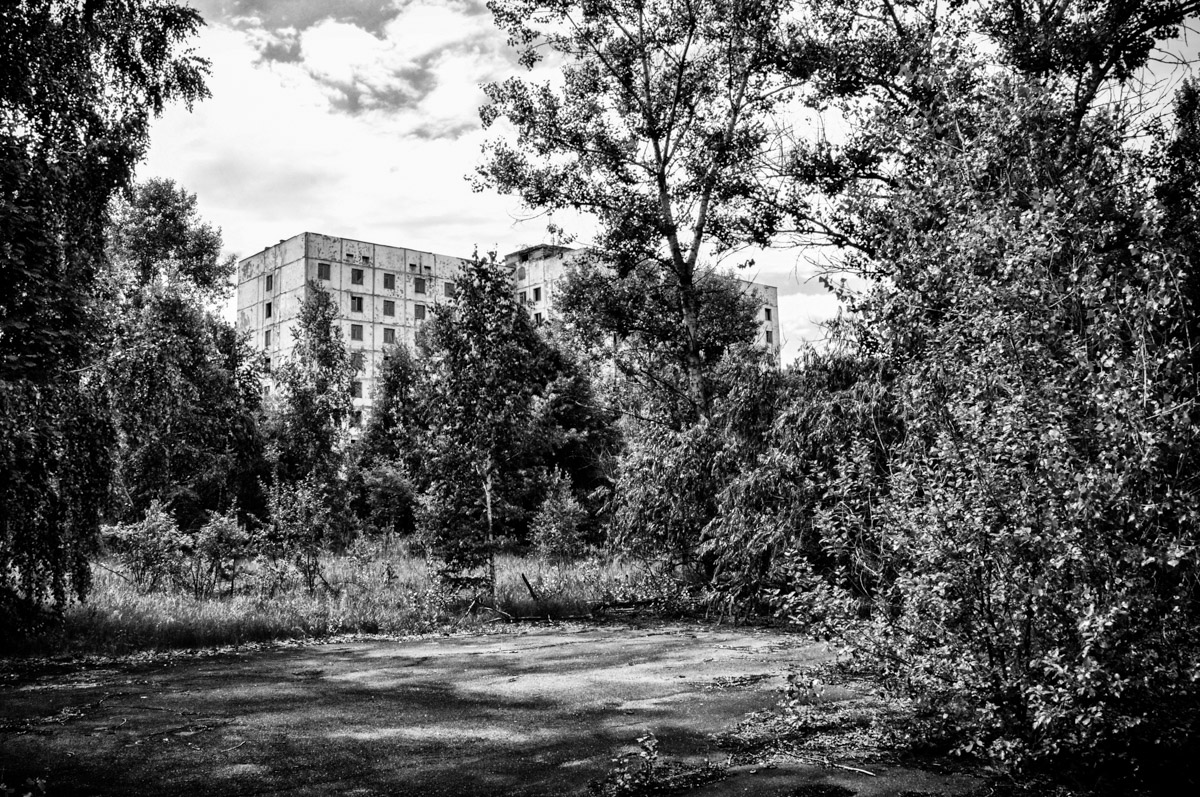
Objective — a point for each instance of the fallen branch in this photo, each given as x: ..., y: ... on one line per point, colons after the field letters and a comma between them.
x: 117, y: 573
x: 529, y: 587
x: 543, y: 618
x: 619, y: 605
x: 826, y: 762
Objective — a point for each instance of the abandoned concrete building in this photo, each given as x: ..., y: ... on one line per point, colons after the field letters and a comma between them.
x: 384, y: 294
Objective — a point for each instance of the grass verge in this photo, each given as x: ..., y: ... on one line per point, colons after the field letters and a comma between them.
x: 377, y: 592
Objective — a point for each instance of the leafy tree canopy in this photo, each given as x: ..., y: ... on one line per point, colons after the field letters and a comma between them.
x: 80, y: 84
x: 661, y: 128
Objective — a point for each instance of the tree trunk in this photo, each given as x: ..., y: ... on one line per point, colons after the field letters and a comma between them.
x: 491, y: 539
x: 693, y: 362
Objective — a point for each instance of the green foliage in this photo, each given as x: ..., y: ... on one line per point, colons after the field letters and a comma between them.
x: 81, y: 83
x: 560, y: 522
x: 157, y: 234
x: 1032, y: 300
x: 185, y: 411
x: 660, y: 130
x: 149, y: 549
x: 314, y: 389
x: 487, y: 369
x: 634, y: 322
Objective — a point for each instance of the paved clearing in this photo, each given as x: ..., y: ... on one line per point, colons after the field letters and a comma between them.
x: 537, y: 711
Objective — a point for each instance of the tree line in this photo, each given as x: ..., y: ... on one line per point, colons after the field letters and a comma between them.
x: 985, y: 480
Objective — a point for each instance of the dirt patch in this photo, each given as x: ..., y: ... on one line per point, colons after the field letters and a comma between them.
x: 536, y: 711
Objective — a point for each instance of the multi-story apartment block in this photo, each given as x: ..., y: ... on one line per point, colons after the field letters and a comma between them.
x: 384, y: 294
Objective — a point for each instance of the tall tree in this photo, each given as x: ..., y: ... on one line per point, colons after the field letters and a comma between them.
x: 1029, y: 294
x: 487, y: 371
x: 633, y: 323
x: 661, y: 129
x: 314, y: 392
x: 80, y: 84
x: 182, y: 384
x: 184, y: 409
x: 157, y: 233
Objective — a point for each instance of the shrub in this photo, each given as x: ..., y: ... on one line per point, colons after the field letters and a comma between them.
x: 558, y: 525
x: 151, y: 549
x: 216, y: 550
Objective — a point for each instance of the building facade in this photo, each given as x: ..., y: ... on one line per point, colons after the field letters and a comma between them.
x: 384, y: 294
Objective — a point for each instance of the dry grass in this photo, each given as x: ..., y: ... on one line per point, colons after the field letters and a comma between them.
x: 369, y: 591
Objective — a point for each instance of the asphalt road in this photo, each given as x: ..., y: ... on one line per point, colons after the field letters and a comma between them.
x: 536, y: 711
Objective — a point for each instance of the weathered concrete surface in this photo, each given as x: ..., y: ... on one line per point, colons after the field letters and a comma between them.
x: 539, y: 711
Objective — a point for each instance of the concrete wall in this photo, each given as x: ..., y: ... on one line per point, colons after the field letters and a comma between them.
x: 295, y: 262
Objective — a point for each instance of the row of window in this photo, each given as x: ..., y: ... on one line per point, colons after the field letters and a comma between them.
x: 389, y: 333
x: 356, y: 333
x: 358, y: 277
x: 356, y: 306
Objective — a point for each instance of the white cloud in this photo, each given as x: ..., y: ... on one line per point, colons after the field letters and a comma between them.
x: 801, y: 317
x: 269, y: 158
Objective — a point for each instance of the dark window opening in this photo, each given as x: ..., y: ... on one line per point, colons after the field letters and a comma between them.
x: 356, y: 276
x: 268, y: 310
x: 356, y: 389
x: 356, y: 304
x: 419, y: 312
x: 323, y: 271
x: 451, y: 289
x: 270, y: 282
x: 356, y: 332
x: 419, y: 285
x: 537, y: 294
x: 389, y: 282
x: 389, y: 307
x: 389, y: 336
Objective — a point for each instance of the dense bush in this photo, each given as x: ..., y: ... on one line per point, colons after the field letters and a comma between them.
x: 558, y: 526
x: 799, y: 524
x: 150, y: 549
x: 1035, y: 579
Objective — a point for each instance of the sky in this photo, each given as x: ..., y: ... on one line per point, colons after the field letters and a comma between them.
x: 360, y: 119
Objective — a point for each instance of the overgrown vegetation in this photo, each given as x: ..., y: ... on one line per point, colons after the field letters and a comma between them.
x: 986, y: 481
x: 150, y: 603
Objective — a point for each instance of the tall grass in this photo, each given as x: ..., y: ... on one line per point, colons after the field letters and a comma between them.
x: 368, y: 591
